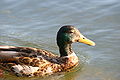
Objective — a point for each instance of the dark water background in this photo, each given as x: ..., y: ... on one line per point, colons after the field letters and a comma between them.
x: 34, y: 23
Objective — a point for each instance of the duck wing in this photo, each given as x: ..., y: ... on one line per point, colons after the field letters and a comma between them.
x: 27, y: 59
x: 7, y: 52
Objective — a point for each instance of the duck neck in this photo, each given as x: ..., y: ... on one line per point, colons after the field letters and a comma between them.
x: 65, y: 50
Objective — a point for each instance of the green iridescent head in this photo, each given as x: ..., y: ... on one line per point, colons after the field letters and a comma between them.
x: 67, y: 35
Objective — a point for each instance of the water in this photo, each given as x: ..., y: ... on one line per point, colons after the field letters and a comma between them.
x: 34, y: 23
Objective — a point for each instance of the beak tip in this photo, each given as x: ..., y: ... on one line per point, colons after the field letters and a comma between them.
x: 93, y: 44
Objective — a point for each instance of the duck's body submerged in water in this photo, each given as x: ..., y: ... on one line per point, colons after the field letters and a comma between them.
x: 27, y: 61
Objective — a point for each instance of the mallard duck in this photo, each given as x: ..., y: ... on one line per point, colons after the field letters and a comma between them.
x: 27, y: 61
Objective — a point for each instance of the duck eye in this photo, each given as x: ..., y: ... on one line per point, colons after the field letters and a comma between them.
x: 72, y: 31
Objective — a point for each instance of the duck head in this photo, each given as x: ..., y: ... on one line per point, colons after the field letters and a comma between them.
x: 66, y: 36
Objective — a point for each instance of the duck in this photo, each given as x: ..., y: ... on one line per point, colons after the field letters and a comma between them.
x: 28, y: 61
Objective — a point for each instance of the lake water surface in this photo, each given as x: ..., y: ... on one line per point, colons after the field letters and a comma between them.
x: 34, y: 23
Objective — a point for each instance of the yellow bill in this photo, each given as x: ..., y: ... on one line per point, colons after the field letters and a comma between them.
x: 86, y: 41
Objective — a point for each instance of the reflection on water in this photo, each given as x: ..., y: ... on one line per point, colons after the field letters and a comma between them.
x: 35, y: 24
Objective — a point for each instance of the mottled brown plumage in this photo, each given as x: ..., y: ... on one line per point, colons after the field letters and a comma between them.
x: 27, y: 61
